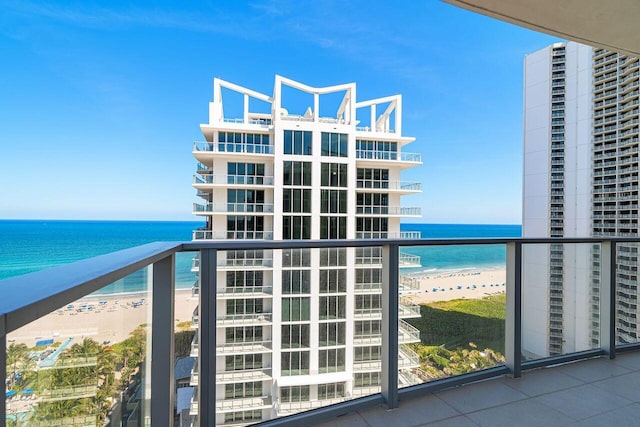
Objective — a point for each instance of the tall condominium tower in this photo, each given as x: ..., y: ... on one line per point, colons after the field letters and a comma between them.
x: 299, y: 329
x: 580, y: 179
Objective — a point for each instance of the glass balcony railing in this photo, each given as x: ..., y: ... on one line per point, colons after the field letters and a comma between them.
x: 226, y: 180
x: 233, y: 148
x: 399, y: 156
x: 233, y: 208
x: 90, y: 343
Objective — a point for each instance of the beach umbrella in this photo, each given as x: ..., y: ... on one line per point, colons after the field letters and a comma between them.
x: 10, y: 393
x: 27, y: 391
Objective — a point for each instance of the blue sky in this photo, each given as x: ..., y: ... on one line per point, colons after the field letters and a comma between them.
x: 101, y: 101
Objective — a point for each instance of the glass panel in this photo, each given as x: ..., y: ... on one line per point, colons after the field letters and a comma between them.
x: 452, y: 310
x: 626, y: 293
x: 85, y: 363
x: 560, y: 299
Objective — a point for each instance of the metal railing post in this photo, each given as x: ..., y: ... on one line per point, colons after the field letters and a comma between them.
x: 162, y: 339
x: 608, y: 298
x: 390, y: 275
x: 207, y: 331
x: 513, y: 327
x: 3, y: 363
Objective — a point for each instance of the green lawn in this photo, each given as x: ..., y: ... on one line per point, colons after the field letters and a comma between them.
x: 456, y: 323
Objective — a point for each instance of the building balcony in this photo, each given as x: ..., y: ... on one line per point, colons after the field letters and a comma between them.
x: 207, y: 182
x: 390, y: 211
x: 391, y: 158
x: 243, y: 404
x: 232, y: 208
x: 259, y: 319
x: 376, y: 186
x: 244, y: 348
x: 47, y: 291
x: 387, y: 235
x: 234, y: 235
x: 244, y: 292
x: 243, y: 376
x: 202, y: 149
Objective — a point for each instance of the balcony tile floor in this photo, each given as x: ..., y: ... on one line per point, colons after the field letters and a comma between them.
x: 595, y: 392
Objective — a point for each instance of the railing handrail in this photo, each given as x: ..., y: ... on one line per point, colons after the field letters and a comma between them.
x: 47, y: 290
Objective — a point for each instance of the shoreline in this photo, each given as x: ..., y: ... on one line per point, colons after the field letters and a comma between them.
x: 107, y: 318
x: 472, y: 283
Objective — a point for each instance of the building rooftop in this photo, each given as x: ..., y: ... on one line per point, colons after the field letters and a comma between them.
x: 595, y: 392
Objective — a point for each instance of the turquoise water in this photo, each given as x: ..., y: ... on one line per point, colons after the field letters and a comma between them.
x: 31, y: 245
x: 460, y: 257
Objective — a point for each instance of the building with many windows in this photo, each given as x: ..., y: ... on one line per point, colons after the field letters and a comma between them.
x: 299, y: 329
x: 580, y: 179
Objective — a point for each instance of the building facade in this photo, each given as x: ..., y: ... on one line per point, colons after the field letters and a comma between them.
x: 300, y: 329
x: 580, y: 180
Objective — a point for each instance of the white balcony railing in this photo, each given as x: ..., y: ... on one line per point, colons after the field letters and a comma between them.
x: 399, y: 156
x: 232, y: 148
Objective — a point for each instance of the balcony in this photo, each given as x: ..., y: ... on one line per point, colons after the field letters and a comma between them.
x: 227, y: 148
x: 399, y: 211
x: 380, y: 186
x: 544, y: 384
x: 204, y: 182
x: 387, y: 235
x: 388, y: 157
x: 239, y: 235
x: 232, y: 208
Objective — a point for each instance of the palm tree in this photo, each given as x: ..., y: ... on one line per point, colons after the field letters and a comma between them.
x: 17, y: 358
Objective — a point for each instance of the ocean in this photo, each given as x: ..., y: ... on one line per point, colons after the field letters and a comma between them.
x: 31, y: 245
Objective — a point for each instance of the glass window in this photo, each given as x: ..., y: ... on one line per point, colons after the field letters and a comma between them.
x: 332, y: 334
x: 334, y: 144
x: 295, y: 309
x: 333, y: 257
x: 330, y: 391
x: 333, y: 175
x: 296, y: 227
x: 333, y: 201
x: 297, y: 173
x: 296, y: 281
x: 332, y: 307
x: 295, y: 336
x: 296, y: 258
x: 297, y: 142
x: 296, y: 200
x: 333, y: 227
x: 331, y: 360
x: 294, y: 362
x: 333, y: 281
x: 294, y: 393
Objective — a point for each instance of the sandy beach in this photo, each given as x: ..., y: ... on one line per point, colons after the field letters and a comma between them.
x: 100, y: 317
x: 444, y: 286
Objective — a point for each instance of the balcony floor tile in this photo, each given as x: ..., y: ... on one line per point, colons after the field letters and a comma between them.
x: 593, y: 369
x: 459, y: 421
x: 413, y: 412
x: 523, y: 413
x: 482, y: 395
x: 625, y: 386
x: 542, y: 381
x: 595, y: 392
x: 627, y: 416
x: 583, y: 401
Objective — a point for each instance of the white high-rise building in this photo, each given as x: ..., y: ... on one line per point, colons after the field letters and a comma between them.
x: 299, y: 329
x: 580, y: 180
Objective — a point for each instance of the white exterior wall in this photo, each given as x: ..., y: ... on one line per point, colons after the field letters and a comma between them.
x: 577, y: 198
x: 272, y: 304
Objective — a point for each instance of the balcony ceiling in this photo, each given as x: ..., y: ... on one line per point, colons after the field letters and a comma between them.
x: 610, y: 24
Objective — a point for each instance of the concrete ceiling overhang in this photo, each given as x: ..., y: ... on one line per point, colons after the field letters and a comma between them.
x: 610, y: 24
